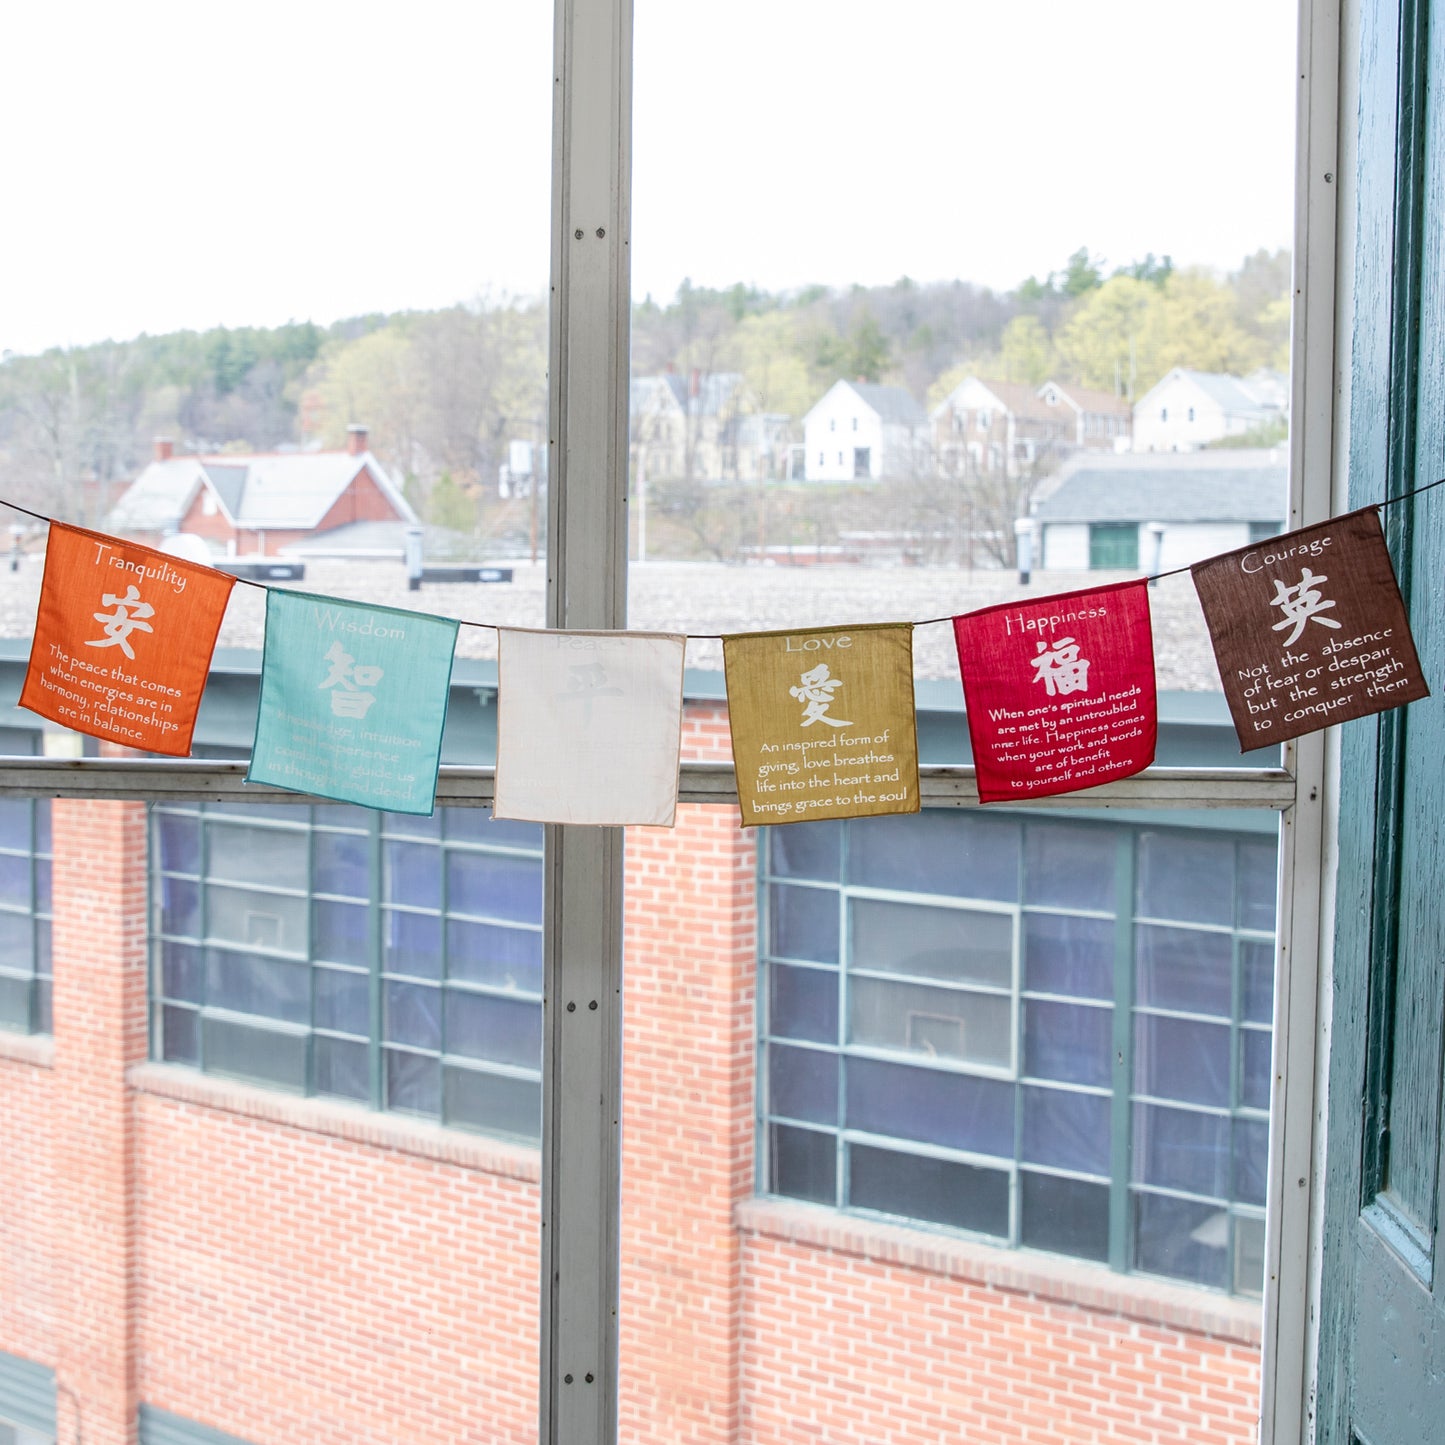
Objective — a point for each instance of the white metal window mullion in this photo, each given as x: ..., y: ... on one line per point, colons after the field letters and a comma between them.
x: 586, y: 588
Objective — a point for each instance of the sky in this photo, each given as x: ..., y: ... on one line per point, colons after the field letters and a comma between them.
x: 170, y: 165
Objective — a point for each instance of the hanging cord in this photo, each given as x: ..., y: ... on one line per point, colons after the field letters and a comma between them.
x: 719, y: 636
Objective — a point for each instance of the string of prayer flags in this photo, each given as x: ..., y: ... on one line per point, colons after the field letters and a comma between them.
x: 589, y: 726
x: 823, y: 722
x: 353, y: 701
x: 123, y: 640
x: 1059, y: 692
x: 1309, y: 629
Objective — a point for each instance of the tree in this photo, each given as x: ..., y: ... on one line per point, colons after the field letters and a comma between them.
x: 449, y: 506
x: 1082, y: 273
x: 1027, y: 354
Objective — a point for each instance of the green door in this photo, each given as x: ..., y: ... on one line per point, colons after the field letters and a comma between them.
x: 1382, y: 1329
x: 1113, y: 546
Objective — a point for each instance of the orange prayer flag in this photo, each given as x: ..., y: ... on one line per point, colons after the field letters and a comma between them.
x: 123, y: 640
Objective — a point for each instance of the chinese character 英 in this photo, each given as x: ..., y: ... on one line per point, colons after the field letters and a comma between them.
x: 817, y: 690
x: 1300, y: 604
x: 1060, y: 668
x: 128, y: 617
x: 348, y: 700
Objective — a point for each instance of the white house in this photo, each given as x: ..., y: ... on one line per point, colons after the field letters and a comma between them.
x: 1105, y: 509
x: 1187, y: 409
x: 863, y: 432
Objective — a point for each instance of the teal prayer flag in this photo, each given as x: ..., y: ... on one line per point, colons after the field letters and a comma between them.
x: 353, y: 701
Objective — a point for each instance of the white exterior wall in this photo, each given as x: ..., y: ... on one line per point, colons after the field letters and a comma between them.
x: 837, y: 424
x: 1153, y: 432
x: 1188, y: 542
x: 1065, y: 547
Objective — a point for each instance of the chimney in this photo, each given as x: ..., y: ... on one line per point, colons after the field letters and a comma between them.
x: 355, y: 440
x: 694, y: 382
x: 164, y: 448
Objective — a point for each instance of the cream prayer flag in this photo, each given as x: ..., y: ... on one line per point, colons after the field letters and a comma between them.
x: 589, y: 726
x: 823, y: 722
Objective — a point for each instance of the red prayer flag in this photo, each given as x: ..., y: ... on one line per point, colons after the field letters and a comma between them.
x: 123, y: 640
x: 1059, y: 692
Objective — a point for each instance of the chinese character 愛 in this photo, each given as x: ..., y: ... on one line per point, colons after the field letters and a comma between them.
x: 816, y: 691
x: 1060, y: 668
x: 1300, y: 604
x: 347, y: 679
x: 129, y: 616
x: 586, y: 681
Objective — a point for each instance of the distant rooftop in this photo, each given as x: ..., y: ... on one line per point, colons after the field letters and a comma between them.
x: 1246, y: 485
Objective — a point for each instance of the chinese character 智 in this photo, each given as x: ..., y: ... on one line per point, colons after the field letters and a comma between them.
x: 348, y: 680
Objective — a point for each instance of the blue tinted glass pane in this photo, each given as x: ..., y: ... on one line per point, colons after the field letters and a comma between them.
x: 1069, y: 865
x: 495, y: 1103
x: 806, y: 850
x: 254, y: 1053
x: 181, y: 972
x: 956, y: 1110
x: 1181, y: 1059
x: 1182, y: 1239
x: 495, y: 954
x: 1256, y: 961
x: 267, y: 857
x: 412, y: 1014
x: 412, y: 944
x: 1069, y: 955
x: 803, y: 1004
x: 341, y: 1068
x: 1251, y: 1160
x: 803, y: 923
x: 961, y: 945
x: 180, y: 1036
x: 407, y: 825
x: 803, y: 1164
x: 1258, y: 884
x: 14, y: 880
x: 1065, y: 1216
x: 938, y: 1191
x: 44, y: 1000
x: 180, y: 900
x: 934, y: 1023
x: 413, y: 1082
x: 1187, y: 877
x: 476, y: 825
x: 412, y: 874
x: 499, y: 1030
x: 42, y: 825
x: 1179, y: 1149
x: 493, y: 886
x: 1180, y: 968
x: 274, y: 988
x: 941, y: 850
x: 343, y: 864
x: 42, y: 882
x: 15, y: 994
x: 340, y: 932
x: 341, y: 815
x: 1069, y: 1042
x: 180, y: 842
x: 343, y: 1001
x: 15, y: 939
x: 1066, y: 1130
x: 803, y: 1084
x: 15, y: 824
x: 1254, y: 1068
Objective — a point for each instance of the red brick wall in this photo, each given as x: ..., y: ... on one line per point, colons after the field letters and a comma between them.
x: 298, y: 1272
x: 362, y: 501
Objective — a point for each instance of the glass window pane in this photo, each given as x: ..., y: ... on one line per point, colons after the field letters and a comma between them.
x: 803, y: 923
x: 1069, y: 955
x: 495, y: 954
x: 803, y: 1164
x: 274, y: 988
x: 341, y: 932
x: 498, y: 1103
x: 411, y: 944
x: 343, y: 1001
x: 413, y: 1082
x: 181, y: 972
x: 959, y: 1111
x: 342, y: 1068
x: 257, y: 920
x: 1066, y: 1130
x: 500, y: 1030
x: 493, y: 886
x: 15, y: 1003
x: 267, y: 857
x: 1069, y: 1042
x: 411, y: 825
x: 1181, y: 968
x: 255, y: 1053
x: 1254, y: 1068
x: 42, y: 825
x: 343, y: 864
x: 806, y: 850
x: 1069, y: 865
x: 180, y: 841
x: 958, y: 853
x: 1258, y: 885
x: 1186, y: 877
x: 1256, y: 961
x: 803, y: 1084
x: 15, y: 816
x: 15, y: 940
x: 411, y: 874
x: 946, y: 1023
x: 1181, y: 1149
x: 476, y: 825
x: 180, y: 900
x: 1249, y: 1256
x: 803, y: 1003
x: 14, y: 880
x: 937, y: 1190
x: 180, y: 1041
x: 413, y: 1015
x: 1064, y: 1216
x: 1182, y: 1239
x: 960, y: 945
x: 1181, y: 1059
x: 1251, y: 1160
